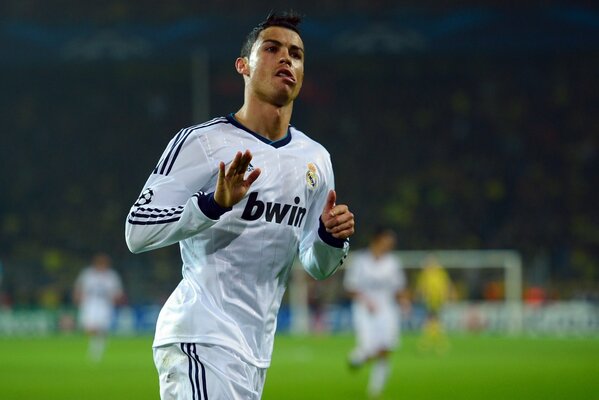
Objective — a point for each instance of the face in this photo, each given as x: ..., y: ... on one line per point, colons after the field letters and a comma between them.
x: 102, y: 262
x: 388, y: 242
x: 274, y: 71
x: 385, y: 243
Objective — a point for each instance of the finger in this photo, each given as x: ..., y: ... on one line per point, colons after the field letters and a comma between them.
x: 330, y: 203
x: 339, y: 209
x: 337, y: 225
x: 221, y: 170
x: 342, y: 214
x: 232, y: 170
x: 252, y: 177
x: 343, y: 227
x: 244, y: 162
x: 343, y: 234
x: 340, y: 219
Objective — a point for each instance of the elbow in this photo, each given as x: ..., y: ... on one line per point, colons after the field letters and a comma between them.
x: 133, y: 246
x: 327, y: 274
x: 134, y: 243
x: 320, y: 277
x: 321, y: 274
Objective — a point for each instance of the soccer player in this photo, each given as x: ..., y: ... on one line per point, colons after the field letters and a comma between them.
x: 98, y: 289
x: 243, y: 195
x: 375, y: 281
x: 434, y: 287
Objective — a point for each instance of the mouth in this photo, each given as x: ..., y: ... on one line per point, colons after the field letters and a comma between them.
x: 286, y: 74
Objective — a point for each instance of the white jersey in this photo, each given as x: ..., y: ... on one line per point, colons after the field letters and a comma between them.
x: 378, y: 279
x: 235, y: 261
x: 98, y: 290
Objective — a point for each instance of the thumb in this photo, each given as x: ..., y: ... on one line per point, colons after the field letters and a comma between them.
x: 330, y: 203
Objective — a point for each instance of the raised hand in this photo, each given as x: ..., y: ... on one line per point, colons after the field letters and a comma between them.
x: 232, y: 185
x: 337, y: 218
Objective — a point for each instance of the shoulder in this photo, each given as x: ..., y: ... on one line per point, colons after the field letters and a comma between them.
x: 315, y: 152
x: 113, y: 274
x: 308, y: 142
x: 393, y: 259
x: 205, y: 128
x: 184, y: 142
x: 86, y: 274
x: 358, y: 257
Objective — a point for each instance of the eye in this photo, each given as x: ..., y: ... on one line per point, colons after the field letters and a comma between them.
x: 271, y: 49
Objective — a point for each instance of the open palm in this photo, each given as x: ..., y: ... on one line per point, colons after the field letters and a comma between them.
x: 232, y: 185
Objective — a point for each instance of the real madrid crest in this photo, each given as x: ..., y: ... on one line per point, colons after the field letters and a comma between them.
x: 311, y: 176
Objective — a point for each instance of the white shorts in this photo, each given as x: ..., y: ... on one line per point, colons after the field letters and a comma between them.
x: 378, y: 331
x: 191, y: 371
x: 95, y: 316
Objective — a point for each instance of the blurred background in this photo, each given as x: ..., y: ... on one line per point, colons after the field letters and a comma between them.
x: 463, y: 126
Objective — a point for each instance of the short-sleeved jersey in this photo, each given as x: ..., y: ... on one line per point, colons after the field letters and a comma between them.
x: 98, y: 287
x: 434, y: 285
x: 378, y: 279
x: 236, y: 263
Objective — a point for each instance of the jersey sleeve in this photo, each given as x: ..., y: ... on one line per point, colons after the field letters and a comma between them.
x: 172, y: 205
x: 78, y: 286
x: 320, y: 253
x: 399, y: 276
x: 117, y: 285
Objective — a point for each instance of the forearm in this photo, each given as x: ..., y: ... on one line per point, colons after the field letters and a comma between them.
x: 149, y: 228
x: 325, y: 255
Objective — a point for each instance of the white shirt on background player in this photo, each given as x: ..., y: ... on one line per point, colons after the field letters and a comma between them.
x: 99, y: 290
x: 235, y: 264
x: 377, y: 279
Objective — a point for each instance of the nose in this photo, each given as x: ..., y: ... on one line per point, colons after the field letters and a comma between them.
x: 285, y: 58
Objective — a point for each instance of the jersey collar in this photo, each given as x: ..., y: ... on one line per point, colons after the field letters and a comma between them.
x: 276, y: 143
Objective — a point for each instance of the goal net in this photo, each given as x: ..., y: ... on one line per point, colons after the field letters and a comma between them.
x: 488, y: 284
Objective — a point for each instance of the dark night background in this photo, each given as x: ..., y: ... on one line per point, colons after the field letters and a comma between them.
x: 470, y: 126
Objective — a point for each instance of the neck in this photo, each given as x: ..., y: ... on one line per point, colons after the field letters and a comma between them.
x: 376, y: 251
x: 265, y: 119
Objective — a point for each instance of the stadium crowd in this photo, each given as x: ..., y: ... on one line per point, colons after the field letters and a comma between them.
x: 452, y: 150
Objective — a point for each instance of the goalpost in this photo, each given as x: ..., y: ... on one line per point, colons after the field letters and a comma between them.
x: 509, y: 261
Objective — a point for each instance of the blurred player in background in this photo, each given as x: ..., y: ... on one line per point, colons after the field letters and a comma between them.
x: 434, y: 288
x: 239, y: 226
x: 376, y: 283
x: 98, y: 289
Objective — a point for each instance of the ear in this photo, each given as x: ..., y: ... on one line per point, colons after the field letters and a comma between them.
x: 242, y: 66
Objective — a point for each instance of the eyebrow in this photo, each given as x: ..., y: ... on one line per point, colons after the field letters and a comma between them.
x: 276, y: 42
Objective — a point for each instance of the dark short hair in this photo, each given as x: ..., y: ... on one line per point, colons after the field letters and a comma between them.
x: 287, y: 19
x: 380, y: 231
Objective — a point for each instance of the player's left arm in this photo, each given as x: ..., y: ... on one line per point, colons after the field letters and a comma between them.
x: 325, y: 240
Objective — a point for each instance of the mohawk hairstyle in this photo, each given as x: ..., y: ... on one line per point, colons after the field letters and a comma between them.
x: 288, y: 19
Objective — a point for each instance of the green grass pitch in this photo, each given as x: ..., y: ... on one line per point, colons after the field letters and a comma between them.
x: 476, y: 367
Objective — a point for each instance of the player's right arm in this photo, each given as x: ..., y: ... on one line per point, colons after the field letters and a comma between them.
x: 173, y: 206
